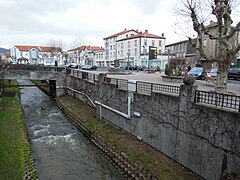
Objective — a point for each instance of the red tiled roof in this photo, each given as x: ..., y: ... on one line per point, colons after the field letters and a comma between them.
x: 91, y: 48
x: 120, y: 33
x: 7, y: 54
x: 145, y: 35
x: 38, y: 48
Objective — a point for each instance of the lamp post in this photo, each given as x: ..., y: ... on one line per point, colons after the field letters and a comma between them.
x: 128, y: 54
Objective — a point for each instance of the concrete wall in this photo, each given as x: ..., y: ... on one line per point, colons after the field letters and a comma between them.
x: 60, y: 78
x: 204, y: 139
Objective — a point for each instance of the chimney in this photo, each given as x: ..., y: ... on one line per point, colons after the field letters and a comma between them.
x: 125, y: 29
x: 162, y: 34
x: 146, y: 31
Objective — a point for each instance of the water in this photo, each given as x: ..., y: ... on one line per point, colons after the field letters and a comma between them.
x: 60, y: 150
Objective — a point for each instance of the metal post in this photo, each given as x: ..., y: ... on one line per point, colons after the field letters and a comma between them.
x: 128, y: 54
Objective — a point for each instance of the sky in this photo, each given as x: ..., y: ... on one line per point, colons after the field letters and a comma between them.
x: 83, y: 22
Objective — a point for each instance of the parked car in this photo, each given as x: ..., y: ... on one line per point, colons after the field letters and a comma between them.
x: 213, y: 73
x: 89, y: 67
x: 73, y: 66
x: 131, y: 68
x: 234, y: 73
x: 141, y: 67
x: 197, y: 72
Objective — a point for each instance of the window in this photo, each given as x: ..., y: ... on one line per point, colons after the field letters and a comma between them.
x: 121, y: 45
x: 129, y: 44
x: 110, y: 47
x: 145, y: 42
x: 135, y: 43
x: 135, y: 52
x: 153, y: 42
x: 159, y: 43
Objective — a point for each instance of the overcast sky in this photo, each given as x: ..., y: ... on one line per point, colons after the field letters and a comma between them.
x: 35, y: 22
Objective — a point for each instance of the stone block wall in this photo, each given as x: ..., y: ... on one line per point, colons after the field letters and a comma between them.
x: 202, y: 138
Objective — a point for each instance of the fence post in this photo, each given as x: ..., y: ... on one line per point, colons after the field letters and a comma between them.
x: 136, y: 86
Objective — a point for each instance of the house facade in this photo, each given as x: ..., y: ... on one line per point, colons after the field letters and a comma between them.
x: 37, y: 55
x: 182, y: 52
x: 86, y: 55
x: 131, y: 47
x: 110, y: 44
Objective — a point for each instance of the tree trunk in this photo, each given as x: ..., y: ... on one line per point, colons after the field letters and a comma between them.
x: 222, y: 77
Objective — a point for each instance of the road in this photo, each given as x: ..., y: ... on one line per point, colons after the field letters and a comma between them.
x: 233, y: 85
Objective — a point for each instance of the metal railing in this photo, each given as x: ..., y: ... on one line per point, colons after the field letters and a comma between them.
x: 144, y: 87
x: 166, y: 88
x: 203, y: 97
x: 218, y: 100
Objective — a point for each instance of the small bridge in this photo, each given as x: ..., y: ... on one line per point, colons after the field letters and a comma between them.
x: 56, y: 79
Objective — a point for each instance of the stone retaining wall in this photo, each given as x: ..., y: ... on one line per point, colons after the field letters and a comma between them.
x: 202, y: 138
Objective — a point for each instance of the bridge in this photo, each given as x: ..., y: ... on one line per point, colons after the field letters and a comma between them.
x: 56, y: 79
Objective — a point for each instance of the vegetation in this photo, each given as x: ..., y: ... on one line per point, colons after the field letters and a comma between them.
x: 11, y: 149
x: 15, y: 149
x: 145, y: 156
x: 168, y: 70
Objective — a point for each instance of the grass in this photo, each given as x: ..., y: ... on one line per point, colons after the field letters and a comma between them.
x: 145, y: 156
x: 10, y: 91
x: 15, y: 148
x: 11, y: 150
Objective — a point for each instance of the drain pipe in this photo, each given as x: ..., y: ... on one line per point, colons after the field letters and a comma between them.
x: 114, y: 110
x: 79, y: 92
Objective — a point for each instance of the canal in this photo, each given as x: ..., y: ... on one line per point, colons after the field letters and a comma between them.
x: 61, y: 152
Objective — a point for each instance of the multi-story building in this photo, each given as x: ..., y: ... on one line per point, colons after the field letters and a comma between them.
x: 37, y: 55
x: 131, y: 47
x: 183, y: 52
x: 83, y: 55
x: 110, y: 44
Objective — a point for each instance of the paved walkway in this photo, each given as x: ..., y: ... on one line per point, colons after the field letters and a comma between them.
x: 156, y: 78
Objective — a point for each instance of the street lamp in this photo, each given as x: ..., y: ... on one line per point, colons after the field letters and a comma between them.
x: 128, y: 54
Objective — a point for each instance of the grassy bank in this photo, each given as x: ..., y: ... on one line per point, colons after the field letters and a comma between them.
x: 149, y: 158
x: 11, y: 150
x: 15, y: 150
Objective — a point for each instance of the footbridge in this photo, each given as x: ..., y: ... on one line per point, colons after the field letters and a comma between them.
x: 56, y: 79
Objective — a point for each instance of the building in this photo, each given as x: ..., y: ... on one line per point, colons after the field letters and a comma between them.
x: 86, y: 55
x: 183, y: 53
x: 110, y: 44
x: 131, y: 47
x: 37, y: 55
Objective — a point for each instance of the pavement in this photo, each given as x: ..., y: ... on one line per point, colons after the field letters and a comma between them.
x: 233, y: 85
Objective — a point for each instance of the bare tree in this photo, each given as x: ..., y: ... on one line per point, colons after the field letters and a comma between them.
x: 225, y: 36
x: 56, y: 48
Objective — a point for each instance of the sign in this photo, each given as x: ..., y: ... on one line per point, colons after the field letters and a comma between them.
x: 152, y: 52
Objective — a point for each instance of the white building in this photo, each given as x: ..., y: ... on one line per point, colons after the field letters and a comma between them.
x: 92, y: 55
x: 132, y: 47
x: 37, y: 55
x: 110, y: 44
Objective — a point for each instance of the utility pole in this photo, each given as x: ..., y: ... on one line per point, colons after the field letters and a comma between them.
x: 128, y: 54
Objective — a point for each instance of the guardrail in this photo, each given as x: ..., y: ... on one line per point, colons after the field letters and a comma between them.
x: 218, y: 100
